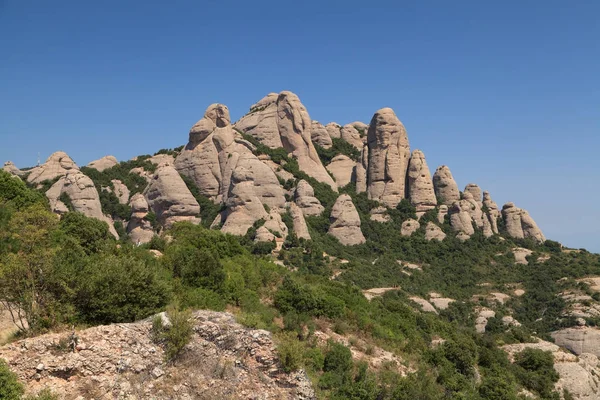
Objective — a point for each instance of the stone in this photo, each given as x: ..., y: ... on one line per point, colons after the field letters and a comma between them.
x: 360, y: 171
x: 460, y: 219
x: 379, y: 214
x: 492, y: 211
x: 83, y: 196
x: 445, y: 187
x: 282, y: 121
x: 304, y: 197
x: 579, y: 339
x: 12, y: 169
x: 334, y: 129
x: 361, y: 127
x: 300, y: 227
x: 274, y: 224
x: 475, y: 191
x: 341, y: 168
x: 389, y: 154
x: 483, y: 314
x: 319, y: 135
x: 424, y: 304
x: 469, y: 204
x: 345, y: 222
x: 264, y: 235
x: 169, y: 197
x: 103, y: 163
x: 432, y: 231
x: 351, y: 135
x: 120, y: 190
x: 139, y: 229
x: 442, y: 212
x: 519, y: 223
x: 420, y: 185
x: 58, y: 164
x: 441, y: 303
x: 521, y: 255
x: 409, y: 227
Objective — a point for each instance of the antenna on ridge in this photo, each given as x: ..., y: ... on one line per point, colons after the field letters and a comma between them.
x: 38, y: 159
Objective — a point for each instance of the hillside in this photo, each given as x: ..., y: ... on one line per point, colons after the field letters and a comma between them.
x: 375, y: 278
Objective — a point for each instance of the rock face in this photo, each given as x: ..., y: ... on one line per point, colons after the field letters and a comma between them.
x: 432, y: 231
x: 83, y: 197
x: 360, y: 171
x: 58, y: 164
x: 460, y: 219
x: 139, y: 229
x: 379, y: 214
x: 351, y: 135
x: 345, y: 222
x: 493, y: 213
x: 319, y: 135
x: 103, y: 163
x: 389, y: 154
x: 170, y: 199
x: 334, y: 129
x: 120, y: 190
x: 579, y: 340
x: 282, y: 121
x: 519, y: 223
x: 306, y: 200
x: 12, y: 169
x: 342, y: 169
x: 300, y: 227
x: 409, y: 227
x: 274, y: 224
x: 98, y: 369
x: 475, y: 191
x: 420, y: 185
x: 446, y: 189
x: 442, y: 212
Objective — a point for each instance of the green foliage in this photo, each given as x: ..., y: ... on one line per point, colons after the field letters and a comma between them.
x: 175, y: 335
x: 15, y: 194
x: 208, y: 209
x: 90, y: 233
x: 290, y: 352
x: 535, y: 371
x: 339, y: 146
x: 45, y: 394
x: 10, y: 388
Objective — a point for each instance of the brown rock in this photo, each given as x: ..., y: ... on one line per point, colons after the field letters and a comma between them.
x: 493, y: 213
x: 345, y: 222
x: 409, y: 227
x: 519, y: 224
x: 460, y: 219
x: 446, y: 189
x: 360, y: 171
x: 300, y: 227
x: 420, y: 185
x: 334, y: 129
x: 139, y: 230
x: 379, y: 214
x: 432, y: 231
x: 12, y: 169
x: 342, y: 168
x: 120, y: 190
x: 579, y: 340
x: 58, y: 164
x: 319, y: 135
x: 351, y: 135
x: 103, y: 163
x: 475, y: 191
x: 306, y: 200
x: 442, y: 212
x: 389, y: 154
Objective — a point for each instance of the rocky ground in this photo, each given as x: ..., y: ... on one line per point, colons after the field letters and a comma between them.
x: 224, y: 360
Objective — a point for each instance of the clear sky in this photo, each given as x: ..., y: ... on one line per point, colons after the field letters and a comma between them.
x: 505, y: 93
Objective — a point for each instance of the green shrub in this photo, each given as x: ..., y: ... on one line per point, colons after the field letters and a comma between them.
x: 45, y: 394
x: 290, y: 351
x: 175, y: 335
x: 10, y: 388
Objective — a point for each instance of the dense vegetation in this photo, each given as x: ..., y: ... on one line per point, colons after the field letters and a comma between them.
x: 72, y: 271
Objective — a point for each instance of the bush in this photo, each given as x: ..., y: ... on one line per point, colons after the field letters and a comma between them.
x: 10, y: 388
x: 290, y: 351
x: 175, y: 335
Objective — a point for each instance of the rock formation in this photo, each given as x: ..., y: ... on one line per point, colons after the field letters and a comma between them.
x: 139, y: 229
x: 475, y: 191
x: 352, y: 136
x: 579, y: 339
x: 306, y: 200
x: 58, y: 164
x: 170, y: 199
x: 263, y: 235
x: 446, y: 189
x: 274, y: 224
x: 469, y: 204
x: 319, y: 135
x: 345, y: 222
x: 420, y: 185
x: 389, y: 154
x: 442, y: 212
x: 334, y: 129
x: 103, y: 163
x: 342, y: 169
x: 493, y: 213
x: 519, y: 223
x: 300, y: 227
x: 379, y: 214
x: 409, y: 227
x: 432, y: 231
x: 120, y: 190
x: 12, y: 169
x: 282, y: 121
x: 460, y: 219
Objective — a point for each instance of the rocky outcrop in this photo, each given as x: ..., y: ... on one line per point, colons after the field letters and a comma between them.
x: 475, y: 191
x: 492, y: 211
x: 519, y: 223
x: 389, y: 154
x: 12, y: 169
x: 282, y: 121
x: 120, y: 190
x: 361, y: 127
x: 263, y: 235
x: 274, y: 224
x: 432, y: 231
x: 446, y: 189
x: 139, y: 229
x: 345, y: 222
x: 409, y: 227
x: 342, y: 169
x: 420, y: 185
x: 306, y: 200
x: 319, y: 135
x: 379, y: 214
x: 334, y: 129
x: 460, y: 219
x: 360, y: 171
x: 469, y: 204
x: 521, y: 255
x: 170, y: 199
x: 82, y: 195
x: 58, y: 164
x: 103, y: 163
x: 222, y: 360
x: 442, y: 212
x: 300, y: 227
x: 351, y: 135
x: 579, y: 339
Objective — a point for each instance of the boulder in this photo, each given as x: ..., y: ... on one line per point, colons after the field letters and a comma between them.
x: 139, y: 229
x: 469, y: 204
x: 342, y: 168
x: 319, y: 135
x: 432, y: 231
x: 120, y: 190
x: 409, y: 227
x: 445, y: 187
x: 83, y: 197
x: 12, y: 169
x: 521, y: 255
x: 304, y: 197
x: 300, y: 227
x: 158, y: 159
x: 360, y: 171
x: 169, y: 197
x: 442, y: 212
x: 334, y: 129
x: 579, y: 339
x: 351, y: 135
x: 345, y: 222
x: 519, y: 223
x: 389, y: 154
x: 475, y: 191
x: 361, y: 127
x: 379, y: 214
x: 103, y: 163
x: 284, y: 122
x: 274, y: 224
x: 58, y: 164
x: 424, y: 304
x: 460, y: 219
x: 420, y: 185
x: 492, y: 211
x: 263, y: 235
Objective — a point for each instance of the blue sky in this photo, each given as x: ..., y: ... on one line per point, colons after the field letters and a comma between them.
x: 505, y: 93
